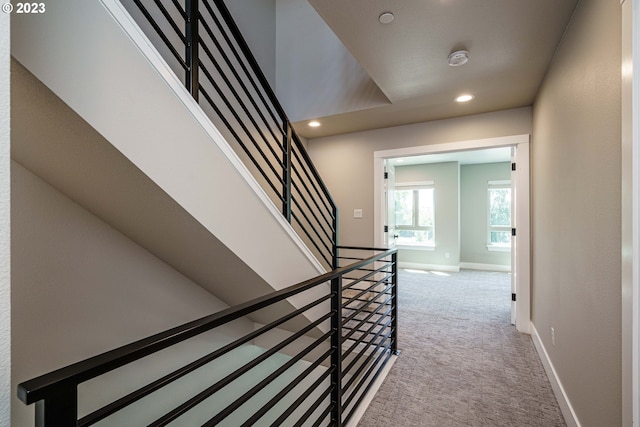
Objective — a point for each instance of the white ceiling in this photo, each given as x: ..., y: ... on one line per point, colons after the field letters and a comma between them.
x: 511, y: 43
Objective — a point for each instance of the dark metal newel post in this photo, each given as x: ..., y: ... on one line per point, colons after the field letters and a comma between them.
x: 394, y: 303
x: 336, y: 356
x: 59, y: 409
x: 191, y: 43
x: 335, y: 238
x: 286, y: 161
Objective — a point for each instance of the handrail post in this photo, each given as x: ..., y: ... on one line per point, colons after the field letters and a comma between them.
x: 287, y: 158
x: 336, y: 356
x: 394, y: 303
x: 60, y: 409
x: 334, y: 249
x: 191, y: 44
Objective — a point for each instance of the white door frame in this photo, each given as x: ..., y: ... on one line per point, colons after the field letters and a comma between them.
x: 630, y: 212
x: 523, y: 284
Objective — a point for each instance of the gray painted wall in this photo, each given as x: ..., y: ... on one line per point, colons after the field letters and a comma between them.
x: 576, y: 202
x: 461, y: 212
x: 473, y: 212
x: 316, y: 75
x: 445, y: 177
x: 256, y: 20
x: 346, y: 161
x: 79, y: 287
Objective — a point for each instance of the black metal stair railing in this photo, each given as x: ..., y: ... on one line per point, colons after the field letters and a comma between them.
x: 315, y: 371
x: 202, y: 44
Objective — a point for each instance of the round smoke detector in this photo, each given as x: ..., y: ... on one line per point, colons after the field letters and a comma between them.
x: 458, y: 58
x: 386, y: 18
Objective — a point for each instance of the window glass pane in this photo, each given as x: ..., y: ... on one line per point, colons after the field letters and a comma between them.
x: 425, y: 207
x: 500, y: 238
x: 404, y: 207
x: 414, y: 237
x: 500, y: 206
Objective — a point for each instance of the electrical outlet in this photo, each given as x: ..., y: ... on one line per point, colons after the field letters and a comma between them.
x: 357, y: 213
x: 553, y: 337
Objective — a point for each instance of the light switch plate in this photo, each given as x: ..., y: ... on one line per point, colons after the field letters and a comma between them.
x: 357, y: 213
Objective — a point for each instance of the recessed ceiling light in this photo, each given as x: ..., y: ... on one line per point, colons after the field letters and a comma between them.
x: 314, y: 123
x: 464, y: 98
x: 386, y: 18
x: 458, y: 58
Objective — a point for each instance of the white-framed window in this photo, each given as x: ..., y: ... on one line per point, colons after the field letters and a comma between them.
x: 415, y: 214
x: 499, y: 215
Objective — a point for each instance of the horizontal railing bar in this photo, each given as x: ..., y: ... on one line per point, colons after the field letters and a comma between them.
x: 313, y: 408
x: 179, y: 8
x: 265, y: 382
x: 367, y: 300
x: 325, y: 221
x: 368, y: 387
x: 353, y: 282
x: 363, y: 291
x: 327, y: 201
x: 169, y: 19
x: 239, y: 140
x: 357, y: 281
x: 363, y: 248
x: 160, y: 33
x: 366, y: 276
x: 312, y: 168
x: 203, y: 395
x: 304, y: 397
x: 360, y: 340
x: 354, y: 391
x: 315, y: 199
x: 387, y: 264
x: 368, y: 322
x: 322, y: 239
x: 38, y: 388
x: 348, y: 336
x: 313, y: 242
x: 238, y: 119
x: 282, y: 393
x: 231, y: 129
x: 371, y: 313
x: 133, y: 397
x: 244, y: 67
x: 235, y: 93
x: 226, y: 58
x: 237, y: 34
x: 372, y: 348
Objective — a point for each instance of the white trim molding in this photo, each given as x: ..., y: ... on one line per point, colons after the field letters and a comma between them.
x: 429, y: 267
x: 561, y: 396
x: 522, y: 257
x: 485, y: 267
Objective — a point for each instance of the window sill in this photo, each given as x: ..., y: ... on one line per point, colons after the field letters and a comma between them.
x: 417, y: 247
x: 495, y: 248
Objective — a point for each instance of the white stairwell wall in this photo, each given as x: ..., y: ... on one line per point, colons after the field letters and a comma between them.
x: 179, y: 163
x: 120, y: 88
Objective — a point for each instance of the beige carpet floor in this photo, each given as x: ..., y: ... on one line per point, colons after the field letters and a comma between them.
x: 462, y: 363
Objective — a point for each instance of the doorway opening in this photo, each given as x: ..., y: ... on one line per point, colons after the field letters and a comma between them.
x: 506, y: 241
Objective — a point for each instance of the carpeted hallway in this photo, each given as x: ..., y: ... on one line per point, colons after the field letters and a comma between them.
x: 462, y: 363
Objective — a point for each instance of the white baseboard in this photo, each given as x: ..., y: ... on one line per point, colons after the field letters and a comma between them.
x: 454, y: 268
x: 485, y: 267
x: 419, y: 266
x: 561, y: 396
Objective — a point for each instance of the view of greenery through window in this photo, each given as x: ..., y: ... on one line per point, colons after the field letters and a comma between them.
x: 414, y: 215
x: 499, y: 214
